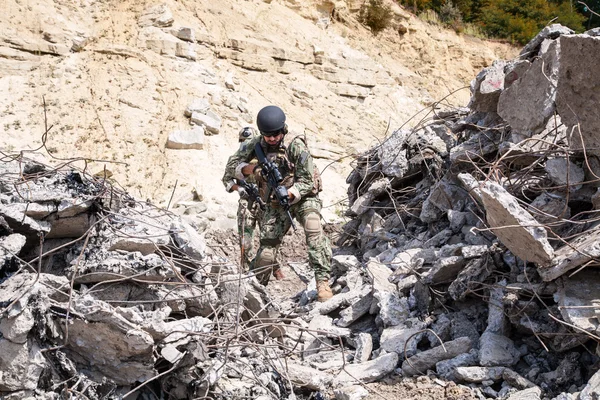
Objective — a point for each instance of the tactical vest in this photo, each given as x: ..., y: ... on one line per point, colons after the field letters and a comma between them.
x: 287, y: 168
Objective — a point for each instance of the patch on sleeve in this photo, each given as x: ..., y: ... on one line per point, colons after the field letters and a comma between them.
x: 243, y: 146
x: 303, y: 157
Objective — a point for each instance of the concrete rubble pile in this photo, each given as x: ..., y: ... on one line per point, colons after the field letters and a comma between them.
x: 470, y: 257
x: 102, y: 296
x: 478, y: 233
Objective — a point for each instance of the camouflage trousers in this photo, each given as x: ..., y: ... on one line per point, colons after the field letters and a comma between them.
x: 274, y: 226
x: 248, y: 218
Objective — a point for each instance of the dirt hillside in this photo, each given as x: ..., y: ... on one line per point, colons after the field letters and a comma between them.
x: 117, y: 77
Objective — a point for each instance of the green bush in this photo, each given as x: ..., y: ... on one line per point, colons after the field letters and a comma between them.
x: 449, y: 14
x: 376, y: 15
x: 520, y: 20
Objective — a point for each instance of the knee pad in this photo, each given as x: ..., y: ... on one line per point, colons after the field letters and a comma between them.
x: 312, y: 224
x: 266, y: 258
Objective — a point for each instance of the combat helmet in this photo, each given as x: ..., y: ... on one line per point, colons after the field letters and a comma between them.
x: 271, y: 121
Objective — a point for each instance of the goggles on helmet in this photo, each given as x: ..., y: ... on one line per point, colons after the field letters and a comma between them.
x: 272, y: 134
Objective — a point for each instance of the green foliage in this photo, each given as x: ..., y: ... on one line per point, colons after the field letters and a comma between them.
x: 376, y: 15
x: 520, y: 20
x: 430, y: 16
x: 451, y: 16
x: 569, y: 16
x: 474, y: 30
x: 417, y: 6
x: 516, y: 20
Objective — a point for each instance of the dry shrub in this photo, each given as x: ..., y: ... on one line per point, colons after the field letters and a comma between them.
x: 376, y: 15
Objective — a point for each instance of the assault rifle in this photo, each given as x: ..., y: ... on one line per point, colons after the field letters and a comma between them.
x: 273, y: 177
x: 253, y: 193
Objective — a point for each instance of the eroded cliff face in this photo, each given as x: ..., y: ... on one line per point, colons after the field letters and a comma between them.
x: 117, y: 77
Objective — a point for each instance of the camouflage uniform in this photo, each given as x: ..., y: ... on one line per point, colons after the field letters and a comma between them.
x: 249, y: 214
x: 296, y: 166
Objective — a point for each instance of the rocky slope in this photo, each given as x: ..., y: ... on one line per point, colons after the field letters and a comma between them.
x: 117, y: 77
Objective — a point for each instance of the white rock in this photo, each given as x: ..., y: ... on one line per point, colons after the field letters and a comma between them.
x: 355, y: 392
x: 210, y: 121
x: 188, y: 139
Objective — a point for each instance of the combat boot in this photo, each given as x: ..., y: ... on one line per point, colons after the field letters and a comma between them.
x: 323, y: 291
x: 278, y: 274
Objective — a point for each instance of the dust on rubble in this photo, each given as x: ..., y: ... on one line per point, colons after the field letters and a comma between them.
x: 225, y: 243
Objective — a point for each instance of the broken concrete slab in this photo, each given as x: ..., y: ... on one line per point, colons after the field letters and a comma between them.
x: 401, y: 338
x: 323, y: 325
x: 354, y: 392
x: 392, y: 309
x: 10, y: 246
x: 369, y: 371
x: 574, y: 296
x: 175, y: 331
x: 327, y: 359
x: 471, y: 185
x: 549, y: 208
x: 514, y: 226
x: 21, y: 365
x: 150, y: 268
x: 479, y: 374
x: 575, y: 92
x: 497, y: 351
x: 380, y: 275
x: 19, y: 222
x: 37, y: 211
x: 515, y: 380
x: 17, y: 328
x: 73, y: 207
x: 141, y: 232
x: 444, y: 269
x: 446, y: 368
x: 308, y: 377
x: 421, y: 362
x: 109, y: 344
x: 364, y: 347
x: 487, y: 86
x: 364, y: 202
x: 475, y: 148
x: 392, y: 155
x: 564, y: 173
x: 574, y: 254
x: 497, y: 321
x: 69, y: 227
x: 553, y: 31
x: 20, y: 288
x: 188, y: 240
x: 592, y: 388
x: 344, y: 263
x: 355, y: 311
x: 527, y: 394
x: 538, y: 86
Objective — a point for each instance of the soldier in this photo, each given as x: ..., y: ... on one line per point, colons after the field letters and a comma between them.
x: 249, y: 212
x: 303, y: 184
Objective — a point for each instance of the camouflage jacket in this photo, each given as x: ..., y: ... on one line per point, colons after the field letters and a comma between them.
x: 294, y: 162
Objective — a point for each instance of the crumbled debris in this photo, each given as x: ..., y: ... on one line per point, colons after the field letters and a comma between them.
x: 469, y: 255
